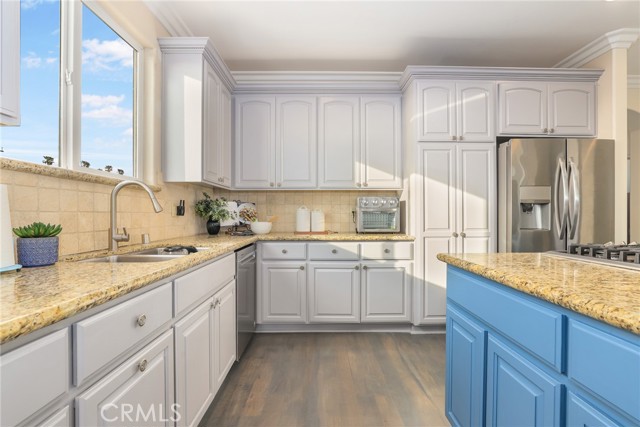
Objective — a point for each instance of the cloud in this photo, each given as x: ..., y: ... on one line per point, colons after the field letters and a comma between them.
x: 51, y: 60
x: 128, y: 132
x: 106, y: 55
x: 32, y: 4
x: 106, y: 109
x: 32, y: 60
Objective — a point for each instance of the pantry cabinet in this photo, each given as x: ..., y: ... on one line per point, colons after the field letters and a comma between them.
x: 359, y: 142
x: 541, y: 108
x: 10, y: 63
x: 456, y: 110
x: 196, y: 114
x: 461, y: 177
x: 275, y: 142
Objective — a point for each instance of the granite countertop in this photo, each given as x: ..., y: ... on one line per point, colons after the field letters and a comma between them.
x: 609, y: 294
x: 37, y: 297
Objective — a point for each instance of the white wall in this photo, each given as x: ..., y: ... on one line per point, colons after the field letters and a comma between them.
x: 633, y: 125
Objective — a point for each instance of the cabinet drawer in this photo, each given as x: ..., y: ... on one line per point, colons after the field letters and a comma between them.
x: 344, y: 251
x: 101, y: 338
x: 33, y: 376
x: 195, y: 286
x: 535, y: 327
x: 387, y: 250
x: 605, y: 364
x: 287, y: 251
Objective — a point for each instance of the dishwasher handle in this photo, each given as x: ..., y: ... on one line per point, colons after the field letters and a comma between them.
x: 251, y: 256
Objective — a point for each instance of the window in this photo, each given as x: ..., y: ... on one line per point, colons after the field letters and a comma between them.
x: 79, y: 103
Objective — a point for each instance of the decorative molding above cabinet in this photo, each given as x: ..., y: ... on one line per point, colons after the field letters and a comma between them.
x: 196, y: 114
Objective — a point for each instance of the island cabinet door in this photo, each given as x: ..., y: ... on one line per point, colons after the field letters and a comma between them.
x: 519, y: 393
x: 466, y: 342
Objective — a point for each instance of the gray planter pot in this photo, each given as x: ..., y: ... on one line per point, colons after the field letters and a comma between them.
x: 37, y: 252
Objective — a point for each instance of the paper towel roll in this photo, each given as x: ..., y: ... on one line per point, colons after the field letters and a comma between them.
x: 303, y: 220
x: 7, y: 254
x: 317, y: 220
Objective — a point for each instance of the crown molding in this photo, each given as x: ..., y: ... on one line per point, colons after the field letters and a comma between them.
x: 497, y: 73
x: 317, y: 82
x: 618, y: 39
x: 633, y: 81
x: 164, y: 12
x: 201, y: 46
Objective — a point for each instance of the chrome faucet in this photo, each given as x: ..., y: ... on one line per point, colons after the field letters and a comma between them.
x: 114, y: 236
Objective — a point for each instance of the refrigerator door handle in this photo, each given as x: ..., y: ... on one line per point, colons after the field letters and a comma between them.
x: 574, y: 207
x: 561, y: 179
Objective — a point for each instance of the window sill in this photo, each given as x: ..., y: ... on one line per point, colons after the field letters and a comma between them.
x: 56, y: 172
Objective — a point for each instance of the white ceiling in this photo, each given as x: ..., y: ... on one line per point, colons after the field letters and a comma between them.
x: 389, y: 35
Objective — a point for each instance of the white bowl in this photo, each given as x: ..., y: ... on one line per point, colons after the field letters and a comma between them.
x: 261, y: 227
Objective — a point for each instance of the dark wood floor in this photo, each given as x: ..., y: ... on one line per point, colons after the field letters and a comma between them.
x: 331, y: 379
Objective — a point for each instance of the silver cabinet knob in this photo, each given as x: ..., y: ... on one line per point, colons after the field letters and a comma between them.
x: 386, y: 251
x: 463, y: 235
x: 271, y: 184
x: 213, y: 305
x: 455, y: 138
x: 366, y: 184
x: 364, y: 267
x: 357, y: 267
x: 142, y: 366
x: 284, y: 251
x: 455, y: 234
x: 141, y: 320
x: 279, y: 184
x: 357, y: 184
x: 302, y: 267
x: 551, y: 130
x: 459, y: 138
x: 545, y: 130
x: 334, y: 251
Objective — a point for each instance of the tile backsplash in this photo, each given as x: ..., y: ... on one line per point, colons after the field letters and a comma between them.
x: 83, y: 208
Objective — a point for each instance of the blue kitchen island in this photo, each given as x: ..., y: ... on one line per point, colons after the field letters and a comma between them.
x: 537, y: 340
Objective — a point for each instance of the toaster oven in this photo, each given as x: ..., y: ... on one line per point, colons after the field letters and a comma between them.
x: 377, y: 215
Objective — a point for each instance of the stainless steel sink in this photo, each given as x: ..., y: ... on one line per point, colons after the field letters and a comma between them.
x: 145, y: 255
x: 133, y: 258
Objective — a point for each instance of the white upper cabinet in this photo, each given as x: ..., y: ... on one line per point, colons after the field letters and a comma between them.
x: 454, y: 111
x: 10, y: 63
x: 296, y: 131
x: 275, y: 142
x: 540, y: 108
x: 196, y: 115
x: 359, y: 142
x: 255, y: 141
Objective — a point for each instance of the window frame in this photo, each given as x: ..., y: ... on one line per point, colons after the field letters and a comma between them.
x: 70, y: 109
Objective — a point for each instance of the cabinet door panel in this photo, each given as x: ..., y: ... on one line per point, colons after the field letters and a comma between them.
x: 438, y: 189
x: 129, y: 390
x: 296, y: 141
x: 475, y: 112
x: 572, y: 109
x: 386, y: 291
x: 518, y: 392
x: 381, y: 143
x: 437, y: 111
x: 225, y: 335
x: 195, y: 385
x: 582, y: 413
x: 464, y: 370
x: 338, y: 142
x: 211, y: 142
x: 476, y: 194
x: 255, y: 138
x: 334, y: 293
x: 435, y: 277
x: 523, y: 108
x: 225, y: 123
x: 283, y: 293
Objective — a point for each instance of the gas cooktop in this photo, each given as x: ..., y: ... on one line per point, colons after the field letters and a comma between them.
x: 623, y: 255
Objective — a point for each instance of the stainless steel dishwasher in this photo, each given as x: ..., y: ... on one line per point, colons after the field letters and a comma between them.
x: 246, y: 297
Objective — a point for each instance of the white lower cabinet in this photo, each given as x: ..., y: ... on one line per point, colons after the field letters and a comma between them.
x: 282, y: 290
x: 137, y: 393
x: 334, y: 292
x: 61, y: 418
x: 386, y: 291
x: 195, y: 381
x: 224, y: 332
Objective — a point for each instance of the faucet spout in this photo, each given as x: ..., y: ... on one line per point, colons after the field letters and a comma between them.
x: 114, y: 236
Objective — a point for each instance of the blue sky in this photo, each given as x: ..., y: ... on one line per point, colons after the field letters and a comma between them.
x: 107, y: 98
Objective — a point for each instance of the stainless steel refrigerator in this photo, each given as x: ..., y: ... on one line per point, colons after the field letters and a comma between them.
x: 554, y: 192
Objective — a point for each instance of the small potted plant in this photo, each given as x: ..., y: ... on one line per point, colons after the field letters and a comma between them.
x: 214, y: 211
x: 37, y: 244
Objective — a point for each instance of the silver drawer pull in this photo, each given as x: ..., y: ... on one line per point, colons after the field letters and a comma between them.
x: 364, y: 267
x: 357, y: 267
x: 284, y: 251
x: 386, y: 251
x: 334, y: 251
x: 142, y: 319
x: 302, y: 267
x: 142, y: 366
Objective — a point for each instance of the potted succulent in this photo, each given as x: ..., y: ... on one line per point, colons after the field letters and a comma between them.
x: 37, y: 244
x: 214, y: 211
